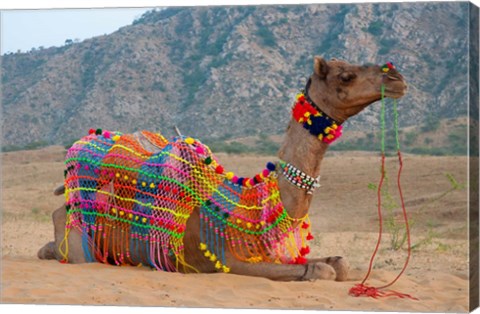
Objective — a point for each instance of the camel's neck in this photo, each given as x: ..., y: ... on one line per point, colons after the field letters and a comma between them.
x: 305, y: 152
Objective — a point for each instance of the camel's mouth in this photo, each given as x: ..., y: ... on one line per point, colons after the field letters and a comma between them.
x: 395, y: 89
x: 394, y: 93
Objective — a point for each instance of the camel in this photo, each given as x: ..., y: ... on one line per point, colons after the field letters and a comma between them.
x: 220, y: 229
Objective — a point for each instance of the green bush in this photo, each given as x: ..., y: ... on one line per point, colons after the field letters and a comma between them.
x: 266, y: 36
x: 375, y: 28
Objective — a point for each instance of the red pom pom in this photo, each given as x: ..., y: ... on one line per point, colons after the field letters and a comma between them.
x: 300, y: 260
x: 258, y: 178
x: 305, y: 225
x: 91, y: 131
x: 310, y: 236
x: 304, y: 250
x: 219, y: 169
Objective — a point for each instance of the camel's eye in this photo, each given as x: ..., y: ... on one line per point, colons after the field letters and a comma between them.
x: 347, y: 77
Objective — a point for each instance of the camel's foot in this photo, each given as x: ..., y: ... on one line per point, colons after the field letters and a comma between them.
x: 319, y: 270
x: 338, y: 263
x: 47, y: 251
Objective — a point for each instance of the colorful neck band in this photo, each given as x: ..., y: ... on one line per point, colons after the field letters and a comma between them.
x: 299, y: 178
x: 315, y: 121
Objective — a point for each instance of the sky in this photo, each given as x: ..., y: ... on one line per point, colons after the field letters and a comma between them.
x: 27, y: 29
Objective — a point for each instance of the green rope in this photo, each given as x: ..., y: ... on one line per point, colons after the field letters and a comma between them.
x: 382, y: 119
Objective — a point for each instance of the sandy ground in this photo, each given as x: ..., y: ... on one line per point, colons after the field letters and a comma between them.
x: 344, y: 220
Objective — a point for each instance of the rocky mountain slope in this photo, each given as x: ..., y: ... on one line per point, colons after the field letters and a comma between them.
x: 226, y: 72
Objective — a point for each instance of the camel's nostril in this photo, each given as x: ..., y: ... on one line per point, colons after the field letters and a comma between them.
x: 393, y: 78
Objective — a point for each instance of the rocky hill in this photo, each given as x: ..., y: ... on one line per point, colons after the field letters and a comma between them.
x: 227, y: 72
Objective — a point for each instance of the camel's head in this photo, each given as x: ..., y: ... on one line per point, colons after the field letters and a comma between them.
x: 342, y: 90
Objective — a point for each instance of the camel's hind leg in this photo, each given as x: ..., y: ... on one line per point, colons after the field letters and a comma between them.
x: 51, y: 250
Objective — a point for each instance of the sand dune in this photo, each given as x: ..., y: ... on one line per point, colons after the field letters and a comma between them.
x: 344, y: 223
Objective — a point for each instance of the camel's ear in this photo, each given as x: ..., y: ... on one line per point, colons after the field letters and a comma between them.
x: 320, y: 67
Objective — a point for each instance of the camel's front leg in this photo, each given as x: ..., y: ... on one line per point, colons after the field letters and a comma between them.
x: 282, y: 272
x: 51, y: 250
x: 340, y: 264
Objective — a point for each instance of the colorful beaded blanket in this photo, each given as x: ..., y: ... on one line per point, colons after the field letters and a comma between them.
x: 132, y: 205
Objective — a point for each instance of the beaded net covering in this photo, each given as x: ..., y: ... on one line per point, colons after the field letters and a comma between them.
x: 131, y: 205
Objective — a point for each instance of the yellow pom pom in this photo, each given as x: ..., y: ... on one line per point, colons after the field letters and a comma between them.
x: 189, y: 140
x: 130, y: 216
x: 125, y: 178
x: 114, y: 210
x: 203, y: 246
x: 116, y: 138
x: 298, y: 96
x: 226, y: 269
x: 134, y: 181
x: 207, y: 254
x: 258, y: 226
x: 320, y: 137
x: 330, y: 137
x: 218, y: 265
x: 229, y: 175
x: 249, y: 225
x: 137, y: 218
x: 327, y: 129
x: 144, y: 184
x: 152, y: 186
x: 262, y: 223
x: 213, y: 258
x: 117, y: 175
x: 144, y: 220
x: 239, y: 221
x: 122, y: 213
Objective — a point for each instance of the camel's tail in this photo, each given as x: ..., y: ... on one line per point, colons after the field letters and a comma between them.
x: 59, y: 190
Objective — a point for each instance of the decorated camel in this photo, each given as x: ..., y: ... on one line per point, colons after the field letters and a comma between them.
x: 141, y: 199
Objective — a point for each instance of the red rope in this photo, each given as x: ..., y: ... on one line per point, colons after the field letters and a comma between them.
x: 375, y: 292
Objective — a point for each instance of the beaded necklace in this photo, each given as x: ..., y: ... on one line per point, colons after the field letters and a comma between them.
x: 299, y: 178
